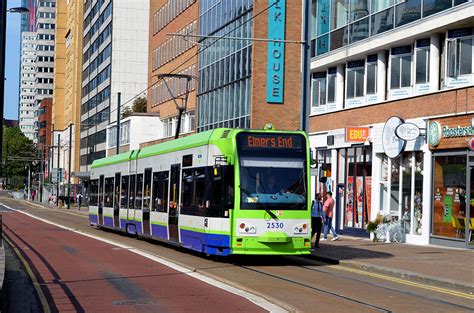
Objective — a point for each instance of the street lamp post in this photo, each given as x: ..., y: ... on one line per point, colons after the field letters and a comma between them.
x: 3, y: 23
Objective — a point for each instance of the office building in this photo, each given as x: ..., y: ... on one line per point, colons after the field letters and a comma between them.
x: 377, y: 65
x: 115, y: 59
x: 27, y: 106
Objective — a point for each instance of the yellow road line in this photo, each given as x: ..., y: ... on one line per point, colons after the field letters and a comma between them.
x: 405, y: 282
x: 36, y: 284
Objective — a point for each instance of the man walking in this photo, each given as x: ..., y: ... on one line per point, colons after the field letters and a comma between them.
x: 328, y: 210
x: 316, y: 219
x: 79, y: 200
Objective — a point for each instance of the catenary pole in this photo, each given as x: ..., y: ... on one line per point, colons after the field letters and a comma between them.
x: 69, y: 170
x: 58, y: 173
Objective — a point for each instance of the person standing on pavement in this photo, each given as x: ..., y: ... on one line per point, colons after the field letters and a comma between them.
x: 316, y: 219
x: 328, y: 210
x: 79, y: 200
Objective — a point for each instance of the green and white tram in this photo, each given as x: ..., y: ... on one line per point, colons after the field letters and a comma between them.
x: 223, y: 191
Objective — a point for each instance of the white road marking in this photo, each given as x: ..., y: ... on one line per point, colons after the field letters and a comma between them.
x: 260, y: 301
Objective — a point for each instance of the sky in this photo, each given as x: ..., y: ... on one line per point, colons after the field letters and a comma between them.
x: 12, y: 62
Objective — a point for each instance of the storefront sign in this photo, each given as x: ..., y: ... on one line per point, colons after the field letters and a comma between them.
x: 451, y: 132
x: 391, y: 143
x: 357, y: 134
x: 276, y: 51
x: 407, y: 131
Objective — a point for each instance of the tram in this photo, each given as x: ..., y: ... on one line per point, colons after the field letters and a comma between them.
x: 220, y: 192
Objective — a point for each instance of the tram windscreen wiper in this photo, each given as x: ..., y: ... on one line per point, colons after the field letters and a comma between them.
x: 259, y: 205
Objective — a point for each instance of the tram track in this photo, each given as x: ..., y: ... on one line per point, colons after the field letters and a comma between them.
x: 253, y: 266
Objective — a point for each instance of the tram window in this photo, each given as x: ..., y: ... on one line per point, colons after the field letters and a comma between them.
x: 160, y: 191
x: 124, y: 193
x: 131, y: 199
x: 117, y: 190
x: 94, y: 192
x: 200, y: 190
x: 229, y: 186
x: 216, y: 195
x: 187, y: 205
x: 147, y: 189
x: 109, y: 192
x: 101, y: 191
x: 139, y: 192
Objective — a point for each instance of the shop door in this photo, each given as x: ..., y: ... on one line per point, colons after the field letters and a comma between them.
x: 173, y: 212
x: 469, y: 222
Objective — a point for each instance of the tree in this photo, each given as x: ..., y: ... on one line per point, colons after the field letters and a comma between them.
x: 139, y: 105
x: 18, y: 152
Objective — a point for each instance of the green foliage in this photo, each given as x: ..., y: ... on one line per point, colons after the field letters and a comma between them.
x: 18, y: 152
x: 139, y: 105
x: 126, y: 112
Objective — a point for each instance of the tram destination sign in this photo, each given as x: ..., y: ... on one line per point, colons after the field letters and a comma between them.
x: 254, y: 141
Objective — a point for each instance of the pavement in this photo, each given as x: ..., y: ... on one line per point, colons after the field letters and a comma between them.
x: 438, y: 266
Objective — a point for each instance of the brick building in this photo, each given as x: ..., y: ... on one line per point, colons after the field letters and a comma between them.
x: 44, y: 130
x: 229, y: 89
x: 371, y: 61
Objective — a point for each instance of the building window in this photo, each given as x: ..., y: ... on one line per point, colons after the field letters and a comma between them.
x: 400, y: 68
x: 355, y: 79
x: 319, y: 89
x: 371, y: 83
x: 422, y: 61
x: 459, y: 56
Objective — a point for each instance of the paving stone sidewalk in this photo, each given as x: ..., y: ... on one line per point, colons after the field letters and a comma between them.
x: 440, y: 266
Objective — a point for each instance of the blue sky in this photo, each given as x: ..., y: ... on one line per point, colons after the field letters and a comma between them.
x: 12, y: 62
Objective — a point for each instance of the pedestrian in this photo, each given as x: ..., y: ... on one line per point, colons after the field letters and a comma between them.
x: 328, y: 210
x: 316, y: 219
x: 79, y: 200
x: 33, y: 195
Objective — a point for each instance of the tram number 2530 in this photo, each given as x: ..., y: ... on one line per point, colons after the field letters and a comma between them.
x: 275, y: 225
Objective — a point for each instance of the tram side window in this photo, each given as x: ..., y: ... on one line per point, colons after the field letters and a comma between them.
x: 109, y: 192
x: 187, y: 205
x: 139, y: 192
x: 94, y: 192
x: 124, y: 193
x: 147, y: 189
x: 160, y: 191
x: 200, y: 190
x: 221, y: 193
x: 131, y: 199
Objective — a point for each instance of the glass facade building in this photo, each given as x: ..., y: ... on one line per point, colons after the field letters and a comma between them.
x: 338, y: 23
x: 225, y: 64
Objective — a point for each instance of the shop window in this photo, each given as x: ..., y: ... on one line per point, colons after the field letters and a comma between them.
x: 400, y: 67
x: 358, y: 187
x: 449, y: 198
x: 422, y: 60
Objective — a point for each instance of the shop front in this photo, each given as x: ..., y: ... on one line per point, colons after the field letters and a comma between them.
x: 451, y: 142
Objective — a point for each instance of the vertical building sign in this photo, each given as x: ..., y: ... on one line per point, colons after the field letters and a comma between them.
x: 276, y: 52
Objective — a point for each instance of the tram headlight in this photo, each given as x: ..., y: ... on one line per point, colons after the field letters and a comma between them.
x: 301, y: 228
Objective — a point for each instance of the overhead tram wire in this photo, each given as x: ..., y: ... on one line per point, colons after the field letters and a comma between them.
x: 78, y: 129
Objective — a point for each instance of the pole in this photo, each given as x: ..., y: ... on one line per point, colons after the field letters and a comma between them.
x: 3, y: 34
x: 29, y: 182
x: 305, y: 71
x: 58, y: 173
x: 69, y: 170
x: 52, y: 153
x: 117, y: 148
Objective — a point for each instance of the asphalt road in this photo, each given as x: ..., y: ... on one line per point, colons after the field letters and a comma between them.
x: 97, y: 276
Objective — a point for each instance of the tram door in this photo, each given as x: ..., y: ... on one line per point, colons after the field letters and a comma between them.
x: 173, y: 211
x: 101, y: 200
x: 146, y: 202
x: 117, y: 200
